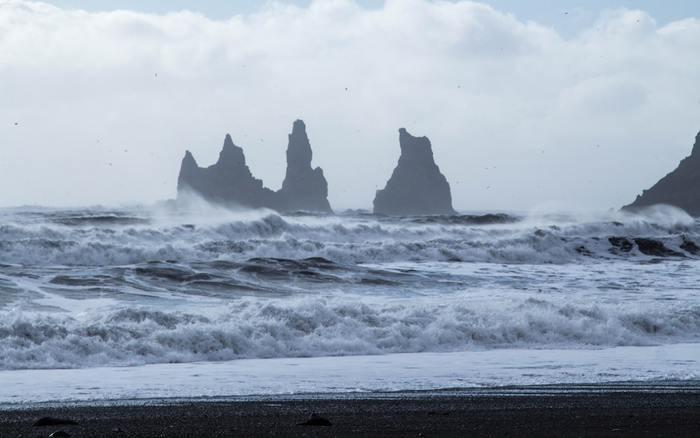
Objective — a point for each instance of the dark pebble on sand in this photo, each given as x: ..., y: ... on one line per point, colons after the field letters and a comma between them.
x: 50, y: 421
x: 316, y: 420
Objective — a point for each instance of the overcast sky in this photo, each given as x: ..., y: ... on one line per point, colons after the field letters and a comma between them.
x: 582, y: 104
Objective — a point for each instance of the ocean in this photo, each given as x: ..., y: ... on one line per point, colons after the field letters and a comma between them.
x: 156, y: 302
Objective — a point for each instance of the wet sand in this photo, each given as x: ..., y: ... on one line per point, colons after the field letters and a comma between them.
x: 634, y: 411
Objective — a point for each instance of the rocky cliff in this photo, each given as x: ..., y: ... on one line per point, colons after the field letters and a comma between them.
x: 680, y: 188
x: 230, y: 181
x: 416, y: 187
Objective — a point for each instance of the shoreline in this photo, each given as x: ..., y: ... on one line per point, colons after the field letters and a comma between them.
x: 557, y: 389
x: 468, y: 370
x: 618, y: 409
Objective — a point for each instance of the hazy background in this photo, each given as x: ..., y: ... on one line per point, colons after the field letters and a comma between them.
x: 525, y: 102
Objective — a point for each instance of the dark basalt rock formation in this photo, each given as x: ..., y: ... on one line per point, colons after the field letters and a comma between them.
x: 680, y: 188
x: 304, y: 188
x: 416, y: 186
x: 230, y: 182
x: 690, y: 246
x: 655, y: 248
x: 647, y: 246
x: 621, y: 243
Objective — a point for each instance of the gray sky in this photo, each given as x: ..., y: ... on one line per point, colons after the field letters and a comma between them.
x: 582, y: 104
x: 562, y: 14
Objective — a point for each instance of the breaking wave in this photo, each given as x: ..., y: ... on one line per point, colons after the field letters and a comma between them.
x: 118, y: 238
x: 255, y: 328
x: 97, y: 287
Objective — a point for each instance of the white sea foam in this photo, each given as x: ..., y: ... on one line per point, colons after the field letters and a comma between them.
x: 100, y: 287
x: 286, y: 377
x: 309, y: 327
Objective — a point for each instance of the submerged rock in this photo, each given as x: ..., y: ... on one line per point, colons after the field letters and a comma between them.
x: 621, y: 243
x: 690, y: 246
x: 680, y: 188
x: 655, y: 248
x: 304, y: 188
x: 416, y: 187
x: 230, y: 182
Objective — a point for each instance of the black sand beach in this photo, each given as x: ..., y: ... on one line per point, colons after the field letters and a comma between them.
x: 615, y: 411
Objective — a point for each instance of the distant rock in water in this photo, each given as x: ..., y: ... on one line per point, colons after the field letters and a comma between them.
x: 680, y: 188
x: 416, y: 187
x: 230, y: 182
x: 304, y: 188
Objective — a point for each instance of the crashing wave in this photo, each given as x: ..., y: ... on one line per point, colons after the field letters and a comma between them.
x: 255, y: 328
x: 112, y: 238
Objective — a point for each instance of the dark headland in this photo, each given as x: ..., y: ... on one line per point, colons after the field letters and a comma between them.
x: 680, y: 188
x: 416, y: 187
x: 230, y: 181
x: 644, y: 410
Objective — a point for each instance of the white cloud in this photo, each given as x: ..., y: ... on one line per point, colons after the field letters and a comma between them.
x: 106, y: 103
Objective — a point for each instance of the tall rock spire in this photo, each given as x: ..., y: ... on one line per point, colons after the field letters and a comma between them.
x: 231, y: 155
x: 188, y: 170
x: 416, y: 187
x: 304, y: 188
x: 299, y: 152
x: 230, y: 181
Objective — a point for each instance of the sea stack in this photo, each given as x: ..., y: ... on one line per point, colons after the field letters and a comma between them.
x: 416, y: 187
x: 230, y: 182
x: 304, y: 188
x: 680, y: 188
